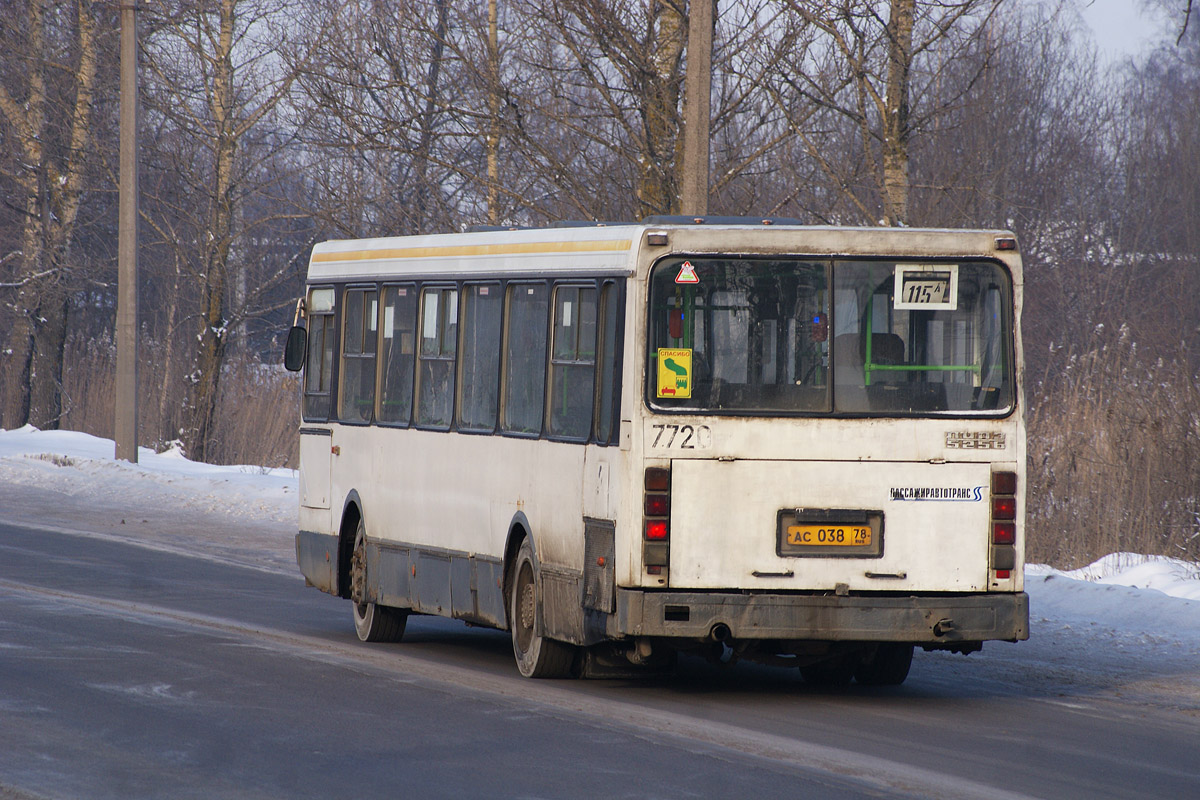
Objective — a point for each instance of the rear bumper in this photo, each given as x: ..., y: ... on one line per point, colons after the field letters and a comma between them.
x: 931, y: 619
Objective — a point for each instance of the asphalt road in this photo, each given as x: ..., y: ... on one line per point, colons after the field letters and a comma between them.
x: 127, y: 671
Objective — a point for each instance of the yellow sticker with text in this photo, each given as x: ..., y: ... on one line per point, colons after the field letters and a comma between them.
x: 674, y: 372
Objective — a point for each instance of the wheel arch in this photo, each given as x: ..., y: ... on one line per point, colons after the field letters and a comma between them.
x: 519, y: 530
x: 352, y: 513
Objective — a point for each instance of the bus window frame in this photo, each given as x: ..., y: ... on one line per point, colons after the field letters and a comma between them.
x: 415, y: 288
x: 1010, y: 323
x: 334, y: 314
x: 505, y: 352
x: 460, y: 349
x: 618, y: 359
x: 600, y: 286
x: 438, y: 286
x: 340, y: 354
x: 547, y: 410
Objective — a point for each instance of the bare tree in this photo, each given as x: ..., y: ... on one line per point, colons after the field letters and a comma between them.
x: 382, y: 103
x: 47, y: 103
x: 215, y: 90
x: 877, y: 75
x: 599, y: 104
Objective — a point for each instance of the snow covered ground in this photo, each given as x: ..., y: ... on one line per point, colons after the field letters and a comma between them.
x: 1126, y: 628
x: 58, y: 478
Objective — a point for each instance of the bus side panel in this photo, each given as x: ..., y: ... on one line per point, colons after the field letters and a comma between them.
x: 439, y: 506
x: 390, y: 570
x: 316, y: 553
x: 436, y: 582
x: 460, y: 493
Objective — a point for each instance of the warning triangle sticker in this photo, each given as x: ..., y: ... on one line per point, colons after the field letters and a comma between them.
x: 687, y: 274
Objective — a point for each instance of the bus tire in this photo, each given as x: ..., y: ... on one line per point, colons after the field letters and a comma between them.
x: 536, y: 655
x: 887, y: 666
x: 372, y: 622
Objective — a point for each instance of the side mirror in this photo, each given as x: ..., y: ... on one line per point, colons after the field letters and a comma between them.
x: 295, y: 349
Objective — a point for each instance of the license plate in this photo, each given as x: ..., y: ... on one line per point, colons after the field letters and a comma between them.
x: 826, y: 535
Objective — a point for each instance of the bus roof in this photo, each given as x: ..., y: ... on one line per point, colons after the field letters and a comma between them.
x: 588, y: 250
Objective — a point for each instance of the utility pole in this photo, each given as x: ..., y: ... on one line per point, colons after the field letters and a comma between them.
x: 696, y: 121
x: 125, y: 407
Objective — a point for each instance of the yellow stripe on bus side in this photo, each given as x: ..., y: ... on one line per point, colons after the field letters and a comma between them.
x: 450, y: 251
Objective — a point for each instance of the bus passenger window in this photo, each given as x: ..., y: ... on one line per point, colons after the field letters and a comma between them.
x: 525, y: 359
x: 358, y: 355
x: 480, y: 370
x: 397, y: 353
x: 755, y: 331
x: 573, y: 362
x: 317, y: 373
x: 608, y: 396
x: 435, y: 382
x: 915, y: 338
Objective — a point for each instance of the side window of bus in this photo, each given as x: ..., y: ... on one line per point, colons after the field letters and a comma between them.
x: 318, y: 371
x: 435, y: 371
x: 609, y: 395
x: 359, y: 336
x: 573, y: 362
x: 525, y: 359
x: 479, y: 376
x: 397, y: 354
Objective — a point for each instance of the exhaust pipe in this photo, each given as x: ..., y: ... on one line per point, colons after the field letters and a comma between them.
x: 719, y: 633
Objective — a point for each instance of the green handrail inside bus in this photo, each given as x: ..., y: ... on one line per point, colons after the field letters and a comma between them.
x: 869, y: 366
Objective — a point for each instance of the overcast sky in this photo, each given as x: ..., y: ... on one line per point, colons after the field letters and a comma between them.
x: 1122, y: 27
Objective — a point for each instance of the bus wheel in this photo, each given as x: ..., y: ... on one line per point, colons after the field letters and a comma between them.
x: 887, y: 666
x: 537, y: 656
x: 372, y: 622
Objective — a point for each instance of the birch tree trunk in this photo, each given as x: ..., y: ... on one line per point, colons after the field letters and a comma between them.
x: 52, y: 183
x: 896, y: 131
x: 212, y: 93
x: 657, y: 190
x: 211, y: 338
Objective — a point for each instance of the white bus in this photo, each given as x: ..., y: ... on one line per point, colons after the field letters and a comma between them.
x: 799, y: 445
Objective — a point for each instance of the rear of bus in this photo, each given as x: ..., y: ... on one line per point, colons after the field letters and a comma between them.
x: 832, y: 446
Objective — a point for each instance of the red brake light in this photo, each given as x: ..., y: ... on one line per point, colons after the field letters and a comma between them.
x: 1004, y: 483
x: 658, y: 505
x: 1003, y: 574
x: 1004, y: 533
x: 656, y: 529
x: 1004, y: 508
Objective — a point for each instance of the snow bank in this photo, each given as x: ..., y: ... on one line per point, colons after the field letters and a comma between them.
x: 82, y: 468
x: 1167, y: 575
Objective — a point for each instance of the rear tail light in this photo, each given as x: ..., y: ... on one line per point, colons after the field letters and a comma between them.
x: 658, y: 505
x: 1004, y: 483
x: 1004, y: 533
x: 1004, y: 526
x: 1004, y: 508
x: 658, y: 479
x: 656, y: 508
x: 656, y: 530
